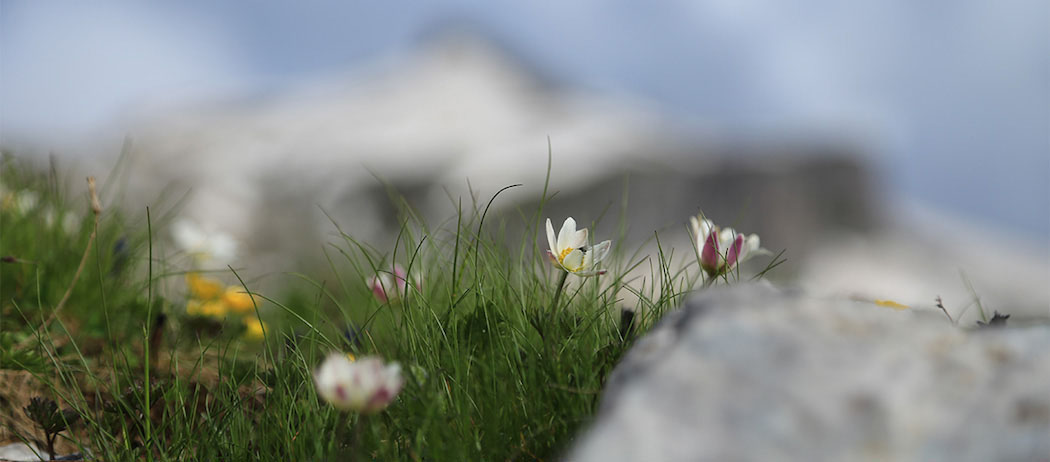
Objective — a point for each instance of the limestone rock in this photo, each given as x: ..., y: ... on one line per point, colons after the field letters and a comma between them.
x: 22, y: 452
x: 752, y: 373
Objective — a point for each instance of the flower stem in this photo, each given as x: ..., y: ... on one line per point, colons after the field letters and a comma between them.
x: 710, y: 279
x: 355, y: 439
x: 557, y: 294
x: 344, y: 443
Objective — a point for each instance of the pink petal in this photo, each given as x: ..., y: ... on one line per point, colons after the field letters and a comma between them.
x: 377, y: 288
x: 734, y: 250
x: 552, y: 257
x: 709, y: 255
x: 400, y: 276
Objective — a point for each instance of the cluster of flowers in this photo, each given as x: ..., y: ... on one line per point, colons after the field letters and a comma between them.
x: 370, y: 385
x: 719, y: 249
x: 211, y: 299
x: 25, y: 202
x: 208, y: 297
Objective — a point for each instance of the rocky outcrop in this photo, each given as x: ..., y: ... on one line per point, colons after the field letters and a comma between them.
x: 752, y: 373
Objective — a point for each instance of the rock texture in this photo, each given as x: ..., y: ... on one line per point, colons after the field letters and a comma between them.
x: 752, y: 373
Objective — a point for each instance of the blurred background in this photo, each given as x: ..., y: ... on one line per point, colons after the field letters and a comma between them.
x: 895, y: 149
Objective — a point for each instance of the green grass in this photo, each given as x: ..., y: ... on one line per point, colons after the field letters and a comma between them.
x: 491, y: 373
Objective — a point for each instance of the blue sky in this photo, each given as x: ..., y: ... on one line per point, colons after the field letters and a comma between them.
x: 953, y: 97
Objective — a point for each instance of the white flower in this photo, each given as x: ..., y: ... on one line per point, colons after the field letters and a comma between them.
x: 21, y: 202
x: 70, y: 223
x: 216, y: 248
x: 366, y: 385
x: 721, y: 250
x: 570, y: 252
x: 392, y: 285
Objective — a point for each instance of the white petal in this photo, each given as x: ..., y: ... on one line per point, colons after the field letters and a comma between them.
x: 187, y: 235
x: 573, y: 262
x: 698, y: 234
x: 580, y: 239
x: 566, y: 235
x: 223, y: 248
x: 705, y: 226
x: 392, y: 378
x: 601, y: 251
x: 725, y: 239
x: 551, y: 238
x: 588, y: 261
x: 752, y: 243
x: 754, y: 246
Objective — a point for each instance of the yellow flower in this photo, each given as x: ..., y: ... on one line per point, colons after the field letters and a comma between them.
x: 203, y: 288
x: 211, y: 308
x: 351, y: 357
x: 193, y: 308
x: 214, y: 309
x: 254, y: 329
x: 238, y: 300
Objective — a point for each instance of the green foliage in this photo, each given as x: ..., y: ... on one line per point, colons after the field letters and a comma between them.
x: 43, y: 241
x: 45, y: 413
x: 13, y: 357
x: 491, y: 373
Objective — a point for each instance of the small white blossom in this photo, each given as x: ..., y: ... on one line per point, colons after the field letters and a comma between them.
x: 721, y: 249
x: 393, y: 285
x: 366, y: 385
x: 570, y: 252
x: 70, y: 222
x: 207, y: 248
x: 21, y: 202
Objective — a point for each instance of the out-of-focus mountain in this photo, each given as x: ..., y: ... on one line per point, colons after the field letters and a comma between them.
x: 459, y: 110
x: 455, y: 111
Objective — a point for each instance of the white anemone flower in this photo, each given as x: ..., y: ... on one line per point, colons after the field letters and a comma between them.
x: 570, y: 252
x: 721, y: 249
x: 215, y: 248
x: 70, y: 223
x: 21, y: 202
x: 366, y: 385
x: 393, y: 285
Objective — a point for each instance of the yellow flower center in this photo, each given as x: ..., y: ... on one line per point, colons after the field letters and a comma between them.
x: 565, y: 253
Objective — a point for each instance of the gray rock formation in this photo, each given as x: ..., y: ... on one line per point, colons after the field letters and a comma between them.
x: 751, y: 373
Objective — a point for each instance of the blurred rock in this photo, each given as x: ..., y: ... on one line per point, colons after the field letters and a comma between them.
x: 29, y: 452
x: 419, y: 125
x: 791, y: 195
x: 460, y: 118
x: 919, y: 254
x: 22, y: 451
x: 750, y: 373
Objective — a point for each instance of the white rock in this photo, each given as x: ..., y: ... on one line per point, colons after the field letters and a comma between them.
x: 750, y: 373
x: 22, y: 451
